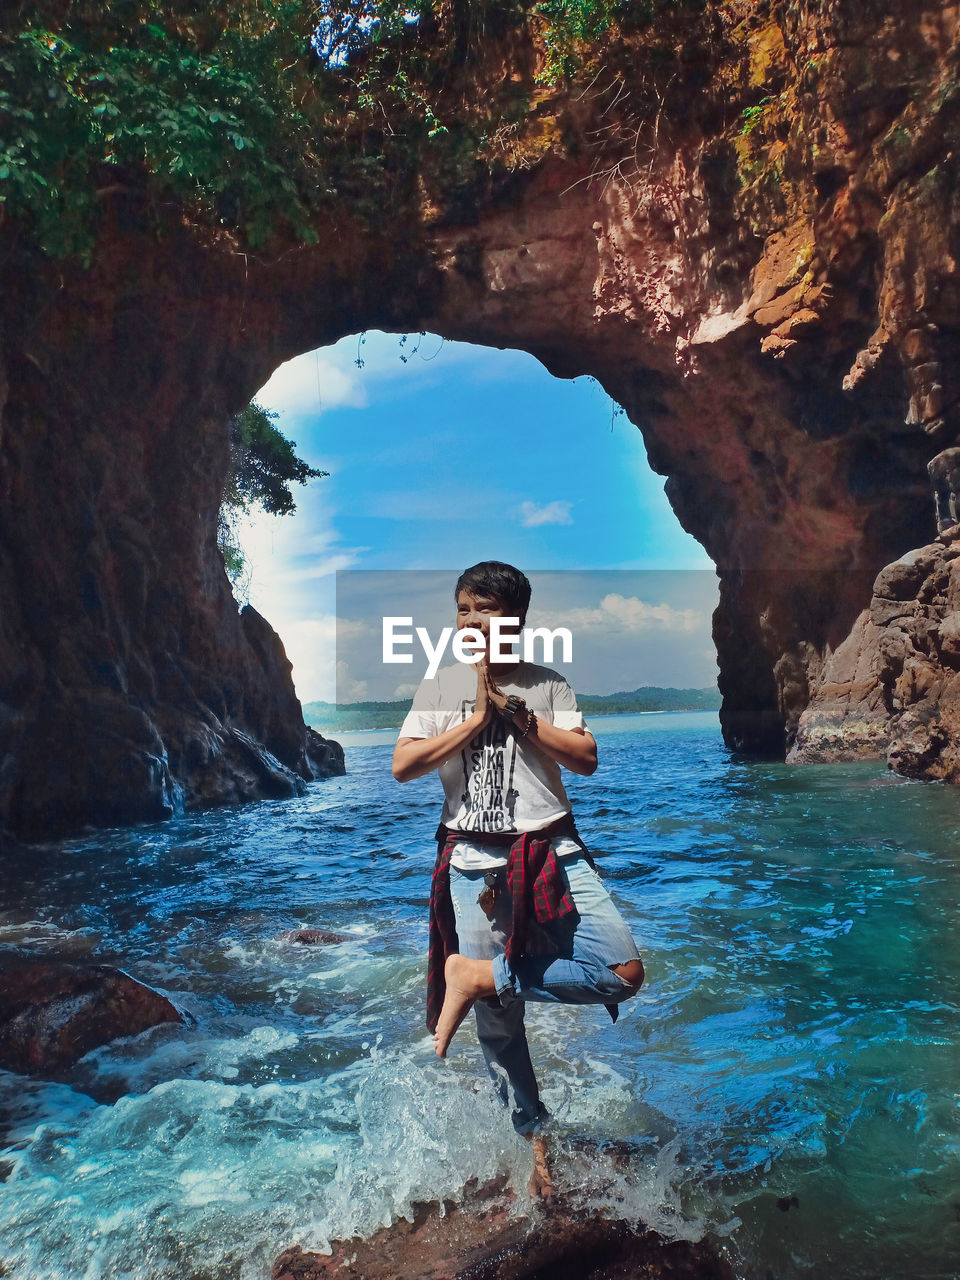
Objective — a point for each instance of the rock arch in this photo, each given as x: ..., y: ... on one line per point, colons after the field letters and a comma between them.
x: 780, y: 323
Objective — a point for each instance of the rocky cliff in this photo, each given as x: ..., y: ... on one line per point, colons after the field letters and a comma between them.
x: 742, y: 220
x: 892, y: 688
x: 131, y: 684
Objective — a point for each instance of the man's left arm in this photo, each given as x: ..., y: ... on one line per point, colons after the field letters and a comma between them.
x: 575, y: 749
x: 567, y: 740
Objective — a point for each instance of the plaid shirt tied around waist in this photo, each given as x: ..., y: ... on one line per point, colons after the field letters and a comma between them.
x: 535, y: 882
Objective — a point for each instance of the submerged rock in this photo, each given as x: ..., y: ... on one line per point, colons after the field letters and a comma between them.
x: 324, y: 756
x: 314, y: 937
x: 53, y: 1012
x: 483, y: 1241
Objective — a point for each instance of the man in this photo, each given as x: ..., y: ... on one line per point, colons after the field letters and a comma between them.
x: 517, y: 910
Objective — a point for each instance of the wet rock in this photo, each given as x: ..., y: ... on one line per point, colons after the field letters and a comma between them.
x: 324, y: 755
x: 229, y: 766
x: 314, y: 937
x: 279, y: 715
x: 480, y: 1241
x: 53, y: 1012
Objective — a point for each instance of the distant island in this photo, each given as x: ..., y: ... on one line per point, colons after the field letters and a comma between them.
x: 329, y: 717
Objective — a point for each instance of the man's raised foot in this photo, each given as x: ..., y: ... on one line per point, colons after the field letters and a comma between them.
x: 467, y: 980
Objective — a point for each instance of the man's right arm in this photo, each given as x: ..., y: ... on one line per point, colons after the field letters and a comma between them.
x: 413, y: 757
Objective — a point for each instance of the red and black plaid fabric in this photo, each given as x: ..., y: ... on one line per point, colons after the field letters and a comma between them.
x: 443, y: 929
x: 536, y: 884
x: 533, y: 877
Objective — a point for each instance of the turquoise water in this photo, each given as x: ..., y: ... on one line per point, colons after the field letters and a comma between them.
x: 787, y: 1081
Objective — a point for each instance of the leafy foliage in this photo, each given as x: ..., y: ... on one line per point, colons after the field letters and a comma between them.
x: 247, y: 116
x: 753, y: 116
x: 572, y: 24
x: 263, y: 464
x: 101, y: 99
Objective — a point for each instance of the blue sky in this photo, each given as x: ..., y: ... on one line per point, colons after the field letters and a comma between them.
x: 459, y: 454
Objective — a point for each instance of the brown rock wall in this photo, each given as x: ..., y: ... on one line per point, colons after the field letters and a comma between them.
x: 893, y: 688
x: 131, y: 683
x: 772, y: 296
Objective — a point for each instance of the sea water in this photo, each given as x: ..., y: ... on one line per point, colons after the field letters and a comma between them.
x: 787, y: 1082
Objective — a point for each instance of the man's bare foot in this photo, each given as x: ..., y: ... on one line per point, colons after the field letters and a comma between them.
x: 467, y: 980
x: 541, y: 1183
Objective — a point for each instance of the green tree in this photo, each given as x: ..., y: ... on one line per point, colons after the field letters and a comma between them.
x: 250, y: 118
x: 263, y: 465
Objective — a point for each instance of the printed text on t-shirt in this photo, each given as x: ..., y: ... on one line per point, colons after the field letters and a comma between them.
x: 488, y: 760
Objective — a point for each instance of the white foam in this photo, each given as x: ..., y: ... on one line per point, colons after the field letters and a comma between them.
x: 170, y: 1051
x: 227, y: 1175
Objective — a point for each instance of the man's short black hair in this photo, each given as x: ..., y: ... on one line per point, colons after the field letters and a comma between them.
x: 502, y: 581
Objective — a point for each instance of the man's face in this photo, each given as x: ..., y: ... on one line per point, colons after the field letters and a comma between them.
x: 476, y: 611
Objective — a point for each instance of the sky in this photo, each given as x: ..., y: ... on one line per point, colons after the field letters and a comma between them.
x: 457, y: 454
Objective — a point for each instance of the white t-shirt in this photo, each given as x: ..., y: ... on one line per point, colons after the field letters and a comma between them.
x: 497, y: 781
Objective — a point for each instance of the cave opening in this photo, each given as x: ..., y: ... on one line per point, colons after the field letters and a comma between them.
x: 443, y: 453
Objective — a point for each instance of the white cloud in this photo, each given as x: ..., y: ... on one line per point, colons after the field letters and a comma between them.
x: 284, y: 551
x: 311, y: 383
x: 325, y: 629
x: 551, y: 513
x: 625, y: 613
x: 405, y: 691
x: 310, y: 644
x: 322, y: 569
x: 348, y: 689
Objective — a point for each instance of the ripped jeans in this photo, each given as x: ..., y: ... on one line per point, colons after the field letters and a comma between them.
x: 567, y: 961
